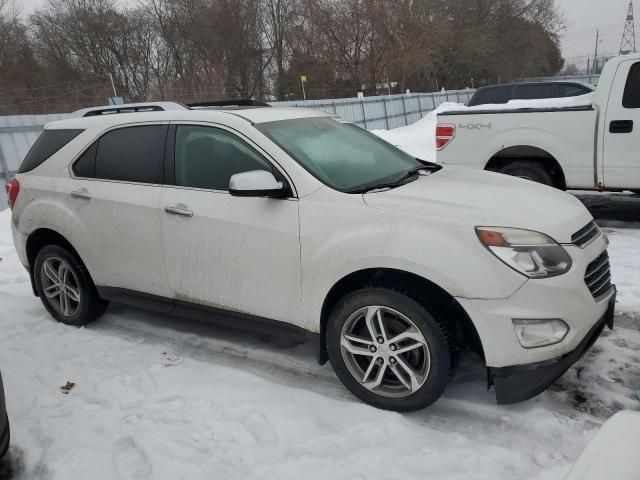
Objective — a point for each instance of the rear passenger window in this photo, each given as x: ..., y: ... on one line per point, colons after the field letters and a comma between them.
x: 130, y: 154
x: 48, y: 143
x: 631, y: 98
x: 207, y: 157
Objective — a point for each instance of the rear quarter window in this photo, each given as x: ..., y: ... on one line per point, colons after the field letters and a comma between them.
x: 48, y: 143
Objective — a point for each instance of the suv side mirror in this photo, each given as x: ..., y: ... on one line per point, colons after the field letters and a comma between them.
x: 256, y: 183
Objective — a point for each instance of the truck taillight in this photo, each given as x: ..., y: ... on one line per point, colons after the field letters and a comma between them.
x: 12, y: 188
x: 444, y: 135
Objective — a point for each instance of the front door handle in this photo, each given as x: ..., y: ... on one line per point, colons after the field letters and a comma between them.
x: 82, y: 193
x: 621, y: 126
x: 179, y: 210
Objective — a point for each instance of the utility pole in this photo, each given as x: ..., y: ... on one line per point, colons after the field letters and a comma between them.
x: 628, y: 44
x: 595, y: 55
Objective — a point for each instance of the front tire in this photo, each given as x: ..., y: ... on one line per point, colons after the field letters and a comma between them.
x: 65, y: 287
x: 389, y: 350
x: 529, y: 171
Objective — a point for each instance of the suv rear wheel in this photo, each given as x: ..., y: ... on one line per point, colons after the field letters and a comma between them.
x: 388, y: 350
x: 65, y: 287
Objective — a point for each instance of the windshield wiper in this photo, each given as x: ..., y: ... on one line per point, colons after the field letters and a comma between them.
x: 395, y: 183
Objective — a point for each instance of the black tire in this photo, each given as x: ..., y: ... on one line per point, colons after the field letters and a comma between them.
x: 89, y: 307
x: 528, y: 170
x: 440, y: 349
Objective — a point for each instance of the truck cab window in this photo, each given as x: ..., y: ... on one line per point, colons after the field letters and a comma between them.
x: 631, y: 98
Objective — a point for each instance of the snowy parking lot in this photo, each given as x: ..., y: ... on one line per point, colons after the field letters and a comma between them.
x: 162, y: 397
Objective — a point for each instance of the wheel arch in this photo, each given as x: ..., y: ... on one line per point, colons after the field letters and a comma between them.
x: 40, y: 238
x: 529, y: 153
x: 425, y: 292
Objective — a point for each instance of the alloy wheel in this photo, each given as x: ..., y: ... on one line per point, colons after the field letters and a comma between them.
x: 60, y: 286
x: 385, y: 351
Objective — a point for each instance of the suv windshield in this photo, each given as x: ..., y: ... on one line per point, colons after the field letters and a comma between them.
x: 341, y: 155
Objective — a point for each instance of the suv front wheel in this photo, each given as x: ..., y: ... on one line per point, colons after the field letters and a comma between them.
x: 389, y: 350
x: 65, y: 287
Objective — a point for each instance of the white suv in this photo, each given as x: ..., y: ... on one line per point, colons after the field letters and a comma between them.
x: 289, y: 220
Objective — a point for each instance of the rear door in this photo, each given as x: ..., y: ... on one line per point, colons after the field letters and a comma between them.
x: 114, y: 192
x: 622, y: 129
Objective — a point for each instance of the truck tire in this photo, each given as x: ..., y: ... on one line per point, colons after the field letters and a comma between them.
x: 528, y: 170
x: 389, y: 350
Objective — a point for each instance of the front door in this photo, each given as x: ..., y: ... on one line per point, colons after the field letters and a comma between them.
x: 622, y: 129
x: 233, y: 253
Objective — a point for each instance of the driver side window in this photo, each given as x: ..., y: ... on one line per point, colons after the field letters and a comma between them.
x: 207, y: 157
x: 631, y: 98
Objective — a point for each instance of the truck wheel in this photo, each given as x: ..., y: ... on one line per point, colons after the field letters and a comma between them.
x: 388, y: 350
x: 65, y: 287
x: 529, y: 170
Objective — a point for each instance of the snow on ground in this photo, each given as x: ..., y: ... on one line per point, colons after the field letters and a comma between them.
x: 418, y: 139
x: 162, y: 397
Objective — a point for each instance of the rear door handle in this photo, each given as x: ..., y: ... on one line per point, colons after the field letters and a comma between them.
x: 82, y: 193
x: 179, y: 210
x: 621, y: 126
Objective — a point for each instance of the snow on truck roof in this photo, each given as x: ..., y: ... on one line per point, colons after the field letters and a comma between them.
x: 253, y: 112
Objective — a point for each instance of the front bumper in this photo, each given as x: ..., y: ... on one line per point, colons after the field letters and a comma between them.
x: 521, y: 382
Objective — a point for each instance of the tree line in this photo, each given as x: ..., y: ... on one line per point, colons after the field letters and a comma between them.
x: 73, y: 53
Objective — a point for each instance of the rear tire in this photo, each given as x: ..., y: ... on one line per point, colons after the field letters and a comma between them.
x: 528, y: 170
x: 405, y: 374
x: 65, y: 287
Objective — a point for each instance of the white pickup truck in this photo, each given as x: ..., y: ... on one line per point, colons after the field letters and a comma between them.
x: 578, y: 144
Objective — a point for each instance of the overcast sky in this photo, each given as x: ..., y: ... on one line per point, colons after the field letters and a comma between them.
x: 582, y: 18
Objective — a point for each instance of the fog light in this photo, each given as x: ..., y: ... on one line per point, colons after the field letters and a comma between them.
x: 540, y: 332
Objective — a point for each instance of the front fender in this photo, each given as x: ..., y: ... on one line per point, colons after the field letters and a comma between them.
x: 446, y: 253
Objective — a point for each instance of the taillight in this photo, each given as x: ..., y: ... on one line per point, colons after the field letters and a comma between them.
x: 12, y: 188
x: 444, y: 135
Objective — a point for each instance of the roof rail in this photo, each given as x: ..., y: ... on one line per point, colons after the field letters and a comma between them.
x: 229, y: 103
x: 129, y: 108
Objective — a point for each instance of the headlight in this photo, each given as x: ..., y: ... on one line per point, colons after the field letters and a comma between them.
x: 531, y: 253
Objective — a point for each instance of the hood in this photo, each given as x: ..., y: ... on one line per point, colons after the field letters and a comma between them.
x: 467, y: 196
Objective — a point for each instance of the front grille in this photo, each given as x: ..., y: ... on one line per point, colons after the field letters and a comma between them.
x: 598, y: 276
x: 585, y: 235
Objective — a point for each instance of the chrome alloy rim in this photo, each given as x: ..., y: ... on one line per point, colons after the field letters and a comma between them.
x: 60, y: 286
x: 385, y: 351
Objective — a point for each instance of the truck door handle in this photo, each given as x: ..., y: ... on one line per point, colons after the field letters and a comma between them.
x: 179, y: 210
x: 621, y: 126
x: 82, y: 193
